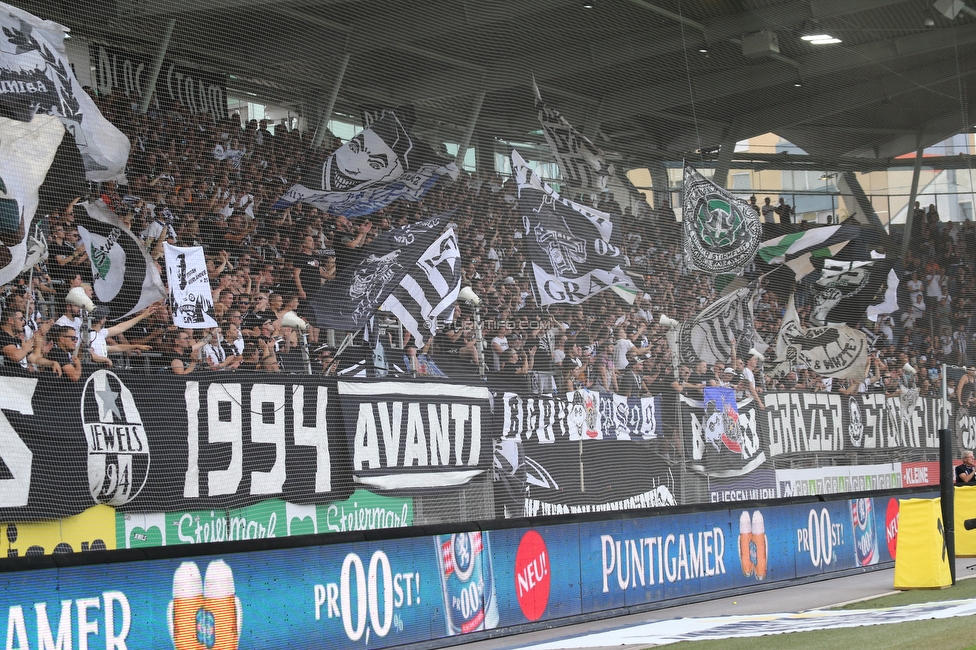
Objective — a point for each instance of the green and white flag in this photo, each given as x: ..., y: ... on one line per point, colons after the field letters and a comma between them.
x: 722, y: 232
x: 787, y: 247
x: 125, y: 278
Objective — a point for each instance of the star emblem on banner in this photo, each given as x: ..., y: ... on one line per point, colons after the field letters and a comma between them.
x: 108, y: 402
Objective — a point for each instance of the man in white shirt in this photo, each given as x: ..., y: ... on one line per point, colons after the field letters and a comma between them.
x: 99, y: 334
x: 625, y: 343
x: 71, y: 317
x: 499, y: 345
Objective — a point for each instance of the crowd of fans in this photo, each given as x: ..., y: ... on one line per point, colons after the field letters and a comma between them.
x: 194, y: 182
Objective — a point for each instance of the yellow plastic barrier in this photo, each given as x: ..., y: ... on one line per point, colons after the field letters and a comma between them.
x: 922, y: 561
x: 965, y: 508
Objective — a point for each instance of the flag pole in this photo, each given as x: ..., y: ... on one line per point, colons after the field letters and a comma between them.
x: 30, y: 284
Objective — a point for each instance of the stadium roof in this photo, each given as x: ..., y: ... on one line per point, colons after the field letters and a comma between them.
x: 650, y: 79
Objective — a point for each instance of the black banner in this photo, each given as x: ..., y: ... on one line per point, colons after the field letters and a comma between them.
x: 575, y: 477
x: 411, y: 435
x: 198, y: 90
x: 810, y: 425
x: 161, y: 443
x: 590, y: 452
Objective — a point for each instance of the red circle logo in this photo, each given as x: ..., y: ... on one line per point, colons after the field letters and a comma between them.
x: 532, y: 571
x: 891, y: 526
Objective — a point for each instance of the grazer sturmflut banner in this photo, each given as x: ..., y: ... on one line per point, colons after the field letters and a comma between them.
x: 802, y: 426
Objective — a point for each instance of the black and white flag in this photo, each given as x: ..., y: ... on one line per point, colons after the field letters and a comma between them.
x: 575, y: 250
x: 37, y: 251
x: 889, y: 303
x: 846, y: 289
x: 125, y: 277
x: 27, y: 150
x: 189, y: 287
x: 381, y: 164
x: 832, y: 351
x: 722, y: 232
x: 708, y: 335
x: 582, y: 164
x: 429, y: 289
x: 36, y: 79
x: 233, y: 156
x: 348, y: 302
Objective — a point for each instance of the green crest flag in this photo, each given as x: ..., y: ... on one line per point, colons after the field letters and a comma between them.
x: 721, y: 232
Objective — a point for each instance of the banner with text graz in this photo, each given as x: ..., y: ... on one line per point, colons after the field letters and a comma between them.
x: 161, y: 443
x: 726, y: 442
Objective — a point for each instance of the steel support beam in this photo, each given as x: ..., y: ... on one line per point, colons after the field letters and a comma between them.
x: 157, y: 66
x: 330, y: 103
x: 724, y: 161
x: 479, y: 100
x: 910, y: 212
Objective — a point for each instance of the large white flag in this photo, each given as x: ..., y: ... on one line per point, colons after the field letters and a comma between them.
x: 125, y: 276
x: 36, y: 79
x: 832, y: 351
x: 189, y: 287
x: 27, y: 150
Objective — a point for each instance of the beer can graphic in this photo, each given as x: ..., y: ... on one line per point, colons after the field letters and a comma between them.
x: 467, y: 582
x: 865, y: 532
